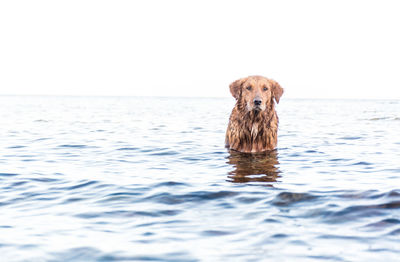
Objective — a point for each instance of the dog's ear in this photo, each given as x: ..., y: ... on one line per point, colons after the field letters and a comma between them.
x: 236, y: 88
x: 277, y: 91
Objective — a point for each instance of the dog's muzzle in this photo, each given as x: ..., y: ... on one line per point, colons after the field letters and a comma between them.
x: 257, y: 102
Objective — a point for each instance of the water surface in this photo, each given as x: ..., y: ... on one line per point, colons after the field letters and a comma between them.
x: 149, y: 179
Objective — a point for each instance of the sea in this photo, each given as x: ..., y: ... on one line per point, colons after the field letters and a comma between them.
x: 150, y: 179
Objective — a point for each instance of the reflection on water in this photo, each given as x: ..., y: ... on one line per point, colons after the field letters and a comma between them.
x: 260, y: 167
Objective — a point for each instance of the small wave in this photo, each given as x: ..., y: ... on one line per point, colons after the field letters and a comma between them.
x: 192, y: 158
x: 159, y: 151
x: 17, y: 184
x: 73, y: 199
x: 384, y: 118
x: 289, y: 198
x: 326, y: 258
x: 73, y: 146
x: 350, y: 137
x: 339, y: 159
x: 79, y: 185
x: 357, y: 211
x: 79, y: 254
x: 170, y: 184
x: 41, y: 121
x: 16, y: 147
x: 271, y: 220
x: 384, y: 223
x: 313, y: 152
x: 369, y: 194
x: 45, y: 179
x: 85, y: 184
x: 120, y: 196
x: 127, y: 148
x: 215, y: 233
x: 41, y: 139
x: 164, y: 153
x: 98, y: 130
x: 86, y: 253
x: 195, y: 197
x: 379, y: 118
x: 362, y: 163
x: 279, y: 235
x: 395, y: 232
x: 393, y: 193
x: 125, y: 213
x: 249, y: 200
x: 8, y: 174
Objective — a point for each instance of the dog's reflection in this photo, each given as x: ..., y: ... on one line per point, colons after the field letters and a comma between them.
x: 260, y: 167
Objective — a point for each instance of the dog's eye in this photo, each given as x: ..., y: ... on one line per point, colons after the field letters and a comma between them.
x: 248, y: 88
x: 265, y: 88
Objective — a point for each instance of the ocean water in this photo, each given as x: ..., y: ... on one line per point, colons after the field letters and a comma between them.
x: 149, y: 179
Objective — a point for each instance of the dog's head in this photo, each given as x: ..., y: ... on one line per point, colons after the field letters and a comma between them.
x: 256, y: 92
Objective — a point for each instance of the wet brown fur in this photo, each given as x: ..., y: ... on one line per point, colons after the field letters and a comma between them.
x: 253, y: 129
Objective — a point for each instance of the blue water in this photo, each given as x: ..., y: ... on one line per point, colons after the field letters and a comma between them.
x: 149, y: 179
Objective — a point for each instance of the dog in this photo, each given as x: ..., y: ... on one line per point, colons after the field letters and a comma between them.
x: 253, y: 124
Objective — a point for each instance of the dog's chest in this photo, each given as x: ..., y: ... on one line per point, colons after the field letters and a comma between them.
x: 254, y: 130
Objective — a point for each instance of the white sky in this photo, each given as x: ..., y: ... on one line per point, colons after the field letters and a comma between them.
x: 314, y: 49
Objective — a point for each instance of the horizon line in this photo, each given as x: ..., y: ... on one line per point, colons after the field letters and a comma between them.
x: 164, y: 96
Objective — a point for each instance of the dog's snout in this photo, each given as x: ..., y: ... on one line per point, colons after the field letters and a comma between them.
x: 257, y: 101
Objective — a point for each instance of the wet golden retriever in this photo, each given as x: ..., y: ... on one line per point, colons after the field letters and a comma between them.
x: 253, y: 124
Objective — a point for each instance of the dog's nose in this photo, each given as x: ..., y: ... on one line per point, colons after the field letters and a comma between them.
x: 257, y: 101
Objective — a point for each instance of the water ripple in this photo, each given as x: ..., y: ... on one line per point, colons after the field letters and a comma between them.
x: 289, y: 198
x: 7, y: 174
x: 127, y: 214
x: 133, y: 179
x: 194, y: 197
x: 73, y: 146
x: 384, y: 223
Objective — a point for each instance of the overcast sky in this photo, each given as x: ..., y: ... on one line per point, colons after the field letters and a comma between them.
x: 314, y: 49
